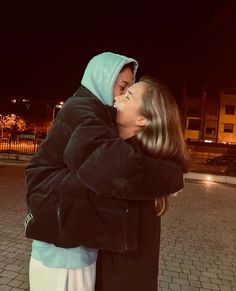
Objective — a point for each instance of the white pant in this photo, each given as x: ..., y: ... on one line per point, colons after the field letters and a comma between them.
x: 42, y: 278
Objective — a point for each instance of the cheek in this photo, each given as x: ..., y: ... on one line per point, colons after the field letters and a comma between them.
x: 120, y: 106
x: 121, y: 116
x: 125, y: 116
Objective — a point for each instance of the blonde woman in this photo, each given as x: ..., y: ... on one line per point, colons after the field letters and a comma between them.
x: 148, y: 118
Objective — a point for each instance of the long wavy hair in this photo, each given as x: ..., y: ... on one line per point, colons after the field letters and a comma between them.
x: 162, y: 136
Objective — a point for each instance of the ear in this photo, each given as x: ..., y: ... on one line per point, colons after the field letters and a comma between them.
x: 141, y: 120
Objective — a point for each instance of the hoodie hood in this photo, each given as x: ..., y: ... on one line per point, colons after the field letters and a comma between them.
x: 101, y: 73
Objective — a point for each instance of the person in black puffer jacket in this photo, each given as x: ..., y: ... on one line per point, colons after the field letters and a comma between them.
x: 80, y: 181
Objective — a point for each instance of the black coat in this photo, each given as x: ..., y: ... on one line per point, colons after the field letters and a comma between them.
x: 133, y: 270
x: 83, y: 152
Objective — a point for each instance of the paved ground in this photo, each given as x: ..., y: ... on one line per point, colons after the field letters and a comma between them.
x: 198, y: 250
x: 14, y: 247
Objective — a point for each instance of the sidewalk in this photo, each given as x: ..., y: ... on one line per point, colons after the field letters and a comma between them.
x: 198, y: 236
x: 198, y: 239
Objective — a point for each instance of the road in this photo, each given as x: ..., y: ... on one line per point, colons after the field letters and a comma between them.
x: 198, y: 246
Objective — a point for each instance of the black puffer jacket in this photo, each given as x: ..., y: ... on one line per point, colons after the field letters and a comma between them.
x: 83, y: 152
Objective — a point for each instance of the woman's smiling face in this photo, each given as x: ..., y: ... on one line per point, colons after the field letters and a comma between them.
x: 128, y: 106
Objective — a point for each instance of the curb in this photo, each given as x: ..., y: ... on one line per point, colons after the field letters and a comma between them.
x: 14, y: 159
x: 210, y: 178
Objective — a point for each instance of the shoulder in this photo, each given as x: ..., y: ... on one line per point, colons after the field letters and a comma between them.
x: 79, y: 108
x: 84, y: 99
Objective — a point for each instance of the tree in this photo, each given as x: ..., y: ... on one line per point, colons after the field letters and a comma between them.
x: 13, y: 123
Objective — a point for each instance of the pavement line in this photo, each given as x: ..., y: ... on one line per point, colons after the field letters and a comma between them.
x: 210, y: 178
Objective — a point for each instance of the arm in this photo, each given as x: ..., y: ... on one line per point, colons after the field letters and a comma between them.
x: 150, y: 178
x: 96, y: 221
x: 110, y: 166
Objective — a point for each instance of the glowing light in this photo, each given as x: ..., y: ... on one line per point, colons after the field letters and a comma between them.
x: 208, y: 178
x: 59, y: 106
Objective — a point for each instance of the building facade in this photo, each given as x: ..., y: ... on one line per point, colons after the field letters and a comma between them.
x: 227, y: 118
x: 211, y: 119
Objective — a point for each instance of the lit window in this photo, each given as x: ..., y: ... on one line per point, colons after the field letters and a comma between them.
x: 228, y: 127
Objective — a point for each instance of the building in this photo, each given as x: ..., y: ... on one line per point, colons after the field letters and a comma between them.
x: 194, y: 110
x: 227, y: 117
x: 211, y: 119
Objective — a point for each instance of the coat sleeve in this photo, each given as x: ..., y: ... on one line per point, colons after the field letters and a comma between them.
x: 148, y: 179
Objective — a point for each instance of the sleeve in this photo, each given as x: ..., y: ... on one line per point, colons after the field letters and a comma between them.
x: 150, y: 178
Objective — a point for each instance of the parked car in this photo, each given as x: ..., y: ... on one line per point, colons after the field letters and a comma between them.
x: 223, y: 160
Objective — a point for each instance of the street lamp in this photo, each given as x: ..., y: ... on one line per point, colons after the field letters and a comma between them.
x: 59, y: 106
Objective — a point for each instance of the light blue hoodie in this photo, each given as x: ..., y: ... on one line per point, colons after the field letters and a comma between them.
x: 101, y: 73
x: 99, y: 78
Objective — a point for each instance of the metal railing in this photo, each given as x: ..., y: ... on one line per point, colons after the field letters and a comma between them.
x: 23, y: 147
x: 212, y: 163
x: 202, y: 161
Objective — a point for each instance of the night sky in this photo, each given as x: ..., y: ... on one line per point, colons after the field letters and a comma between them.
x: 44, y: 49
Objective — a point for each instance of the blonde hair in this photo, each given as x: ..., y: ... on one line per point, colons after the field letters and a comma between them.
x: 162, y: 136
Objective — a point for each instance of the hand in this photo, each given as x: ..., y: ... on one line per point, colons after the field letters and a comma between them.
x: 161, y: 205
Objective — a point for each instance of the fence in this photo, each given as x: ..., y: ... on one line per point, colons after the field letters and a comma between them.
x: 204, y: 160
x: 25, y: 147
x: 218, y: 159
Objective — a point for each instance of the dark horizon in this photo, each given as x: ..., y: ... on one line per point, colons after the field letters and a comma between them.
x: 45, y: 51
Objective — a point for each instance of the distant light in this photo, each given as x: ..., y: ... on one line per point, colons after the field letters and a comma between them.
x: 209, y: 178
x: 58, y: 106
x: 13, y: 100
x: 208, y: 140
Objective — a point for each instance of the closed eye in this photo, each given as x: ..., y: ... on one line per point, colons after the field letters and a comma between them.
x: 128, y: 95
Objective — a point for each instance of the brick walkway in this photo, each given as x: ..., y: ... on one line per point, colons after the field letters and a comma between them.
x: 198, y: 249
x: 14, y: 247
